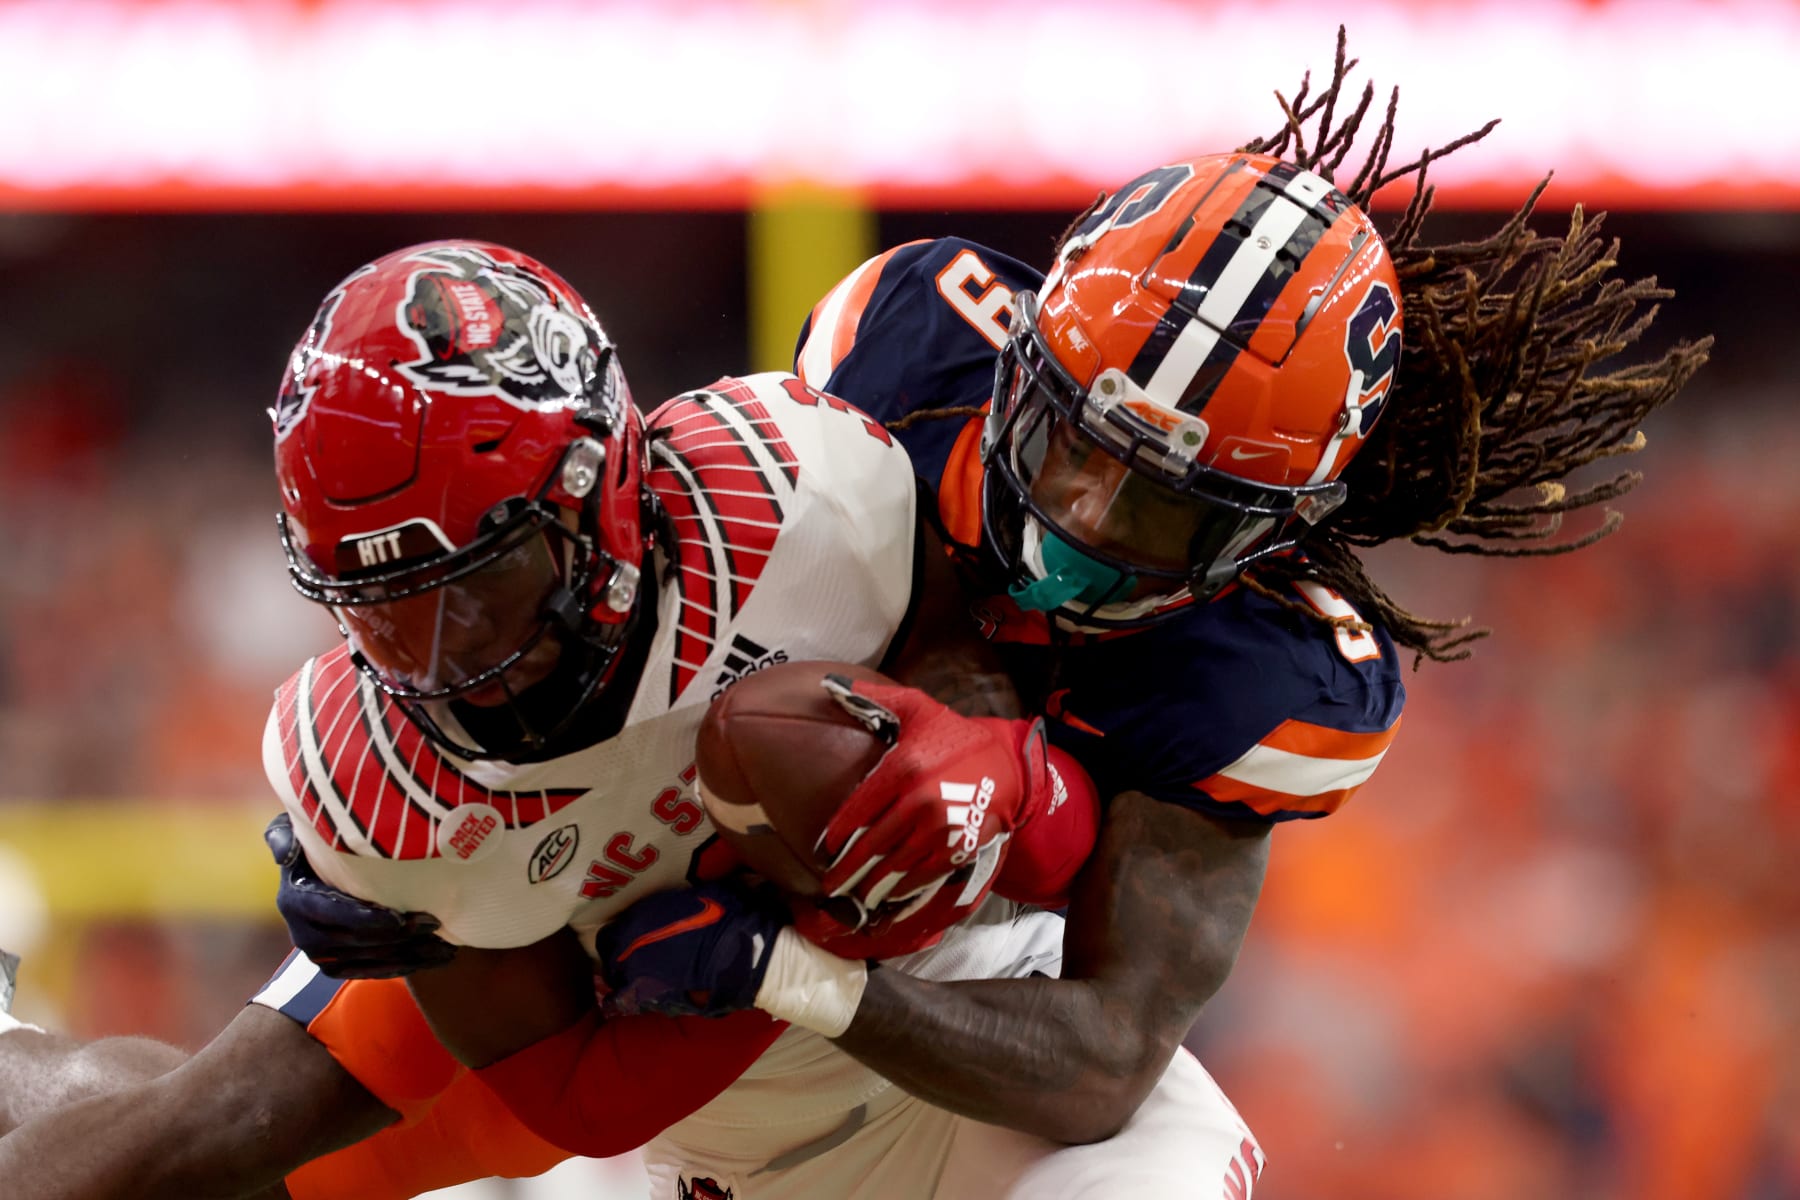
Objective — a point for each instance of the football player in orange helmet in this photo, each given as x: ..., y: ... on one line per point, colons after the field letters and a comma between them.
x: 1212, y: 346
x: 1158, y: 917
x: 1159, y: 461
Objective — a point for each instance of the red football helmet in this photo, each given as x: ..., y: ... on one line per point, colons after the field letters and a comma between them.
x: 1211, y: 347
x: 461, y: 479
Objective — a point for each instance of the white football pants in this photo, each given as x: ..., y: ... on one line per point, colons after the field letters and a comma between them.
x: 809, y: 1123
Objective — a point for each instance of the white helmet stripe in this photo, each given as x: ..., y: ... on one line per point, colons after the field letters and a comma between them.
x: 1225, y: 299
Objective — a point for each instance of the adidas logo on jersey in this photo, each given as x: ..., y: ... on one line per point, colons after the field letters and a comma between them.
x: 966, y: 807
x: 746, y: 658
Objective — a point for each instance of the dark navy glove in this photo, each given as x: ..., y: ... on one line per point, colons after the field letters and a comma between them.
x: 348, y: 938
x: 700, y: 951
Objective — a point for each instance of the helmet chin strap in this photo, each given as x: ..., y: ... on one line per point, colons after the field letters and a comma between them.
x: 1064, y: 574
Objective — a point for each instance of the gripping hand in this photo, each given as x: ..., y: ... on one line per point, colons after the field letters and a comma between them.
x: 348, y: 938
x: 700, y: 951
x: 916, y: 846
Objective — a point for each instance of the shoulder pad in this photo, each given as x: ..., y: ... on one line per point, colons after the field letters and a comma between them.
x: 350, y: 766
x: 1239, y: 707
x: 914, y: 329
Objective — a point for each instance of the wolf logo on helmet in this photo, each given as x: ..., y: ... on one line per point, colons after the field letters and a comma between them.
x: 486, y: 329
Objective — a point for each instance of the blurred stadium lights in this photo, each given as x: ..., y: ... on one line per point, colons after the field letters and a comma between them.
x: 282, y: 104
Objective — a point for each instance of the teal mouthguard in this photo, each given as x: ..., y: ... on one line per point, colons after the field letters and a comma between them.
x: 1070, y: 577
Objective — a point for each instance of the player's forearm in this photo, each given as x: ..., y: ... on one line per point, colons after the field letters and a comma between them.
x: 1047, y: 1056
x: 122, y: 1146
x: 97, y: 1138
x: 82, y: 1152
x: 42, y: 1072
x: 1158, y: 916
x: 259, y: 1100
x: 485, y: 1005
x: 601, y: 1088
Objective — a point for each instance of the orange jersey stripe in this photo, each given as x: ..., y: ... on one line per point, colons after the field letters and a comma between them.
x: 1301, y: 768
x: 1268, y: 803
x: 377, y: 1033
x: 1322, y: 741
x: 959, y: 491
x: 835, y: 320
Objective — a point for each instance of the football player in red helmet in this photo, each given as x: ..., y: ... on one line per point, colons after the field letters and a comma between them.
x: 1089, y: 476
x: 538, y: 599
x: 482, y: 557
x: 1159, y: 461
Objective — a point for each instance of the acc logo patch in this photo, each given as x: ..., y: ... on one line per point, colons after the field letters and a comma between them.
x: 555, y: 852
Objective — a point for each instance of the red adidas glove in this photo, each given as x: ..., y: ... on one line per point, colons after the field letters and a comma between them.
x: 918, y: 844
x: 1038, y: 865
x: 1048, y: 851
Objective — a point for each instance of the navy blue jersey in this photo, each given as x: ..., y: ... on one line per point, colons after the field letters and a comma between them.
x: 1240, y: 707
x: 916, y: 328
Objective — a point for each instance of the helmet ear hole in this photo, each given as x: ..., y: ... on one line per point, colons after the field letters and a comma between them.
x: 485, y: 436
x: 500, y: 515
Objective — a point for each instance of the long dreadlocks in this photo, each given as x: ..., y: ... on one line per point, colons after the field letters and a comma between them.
x: 1498, y: 397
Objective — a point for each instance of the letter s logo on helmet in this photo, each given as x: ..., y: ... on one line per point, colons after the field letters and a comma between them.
x: 1209, y: 351
x: 461, y: 478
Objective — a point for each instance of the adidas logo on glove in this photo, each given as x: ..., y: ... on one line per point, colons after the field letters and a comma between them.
x: 966, y: 806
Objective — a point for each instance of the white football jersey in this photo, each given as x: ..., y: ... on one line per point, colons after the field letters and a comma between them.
x: 795, y: 521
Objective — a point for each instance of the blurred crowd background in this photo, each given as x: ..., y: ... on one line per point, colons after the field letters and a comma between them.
x: 1547, y: 951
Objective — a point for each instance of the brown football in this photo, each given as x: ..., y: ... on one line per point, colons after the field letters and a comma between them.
x: 777, y: 754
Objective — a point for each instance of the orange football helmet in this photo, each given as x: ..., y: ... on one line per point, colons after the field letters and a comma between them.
x: 1211, y: 348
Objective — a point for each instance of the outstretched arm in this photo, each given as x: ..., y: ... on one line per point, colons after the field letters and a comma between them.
x: 259, y: 1100
x: 1154, y: 927
x: 42, y: 1072
x: 1158, y: 914
x: 526, y: 1020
